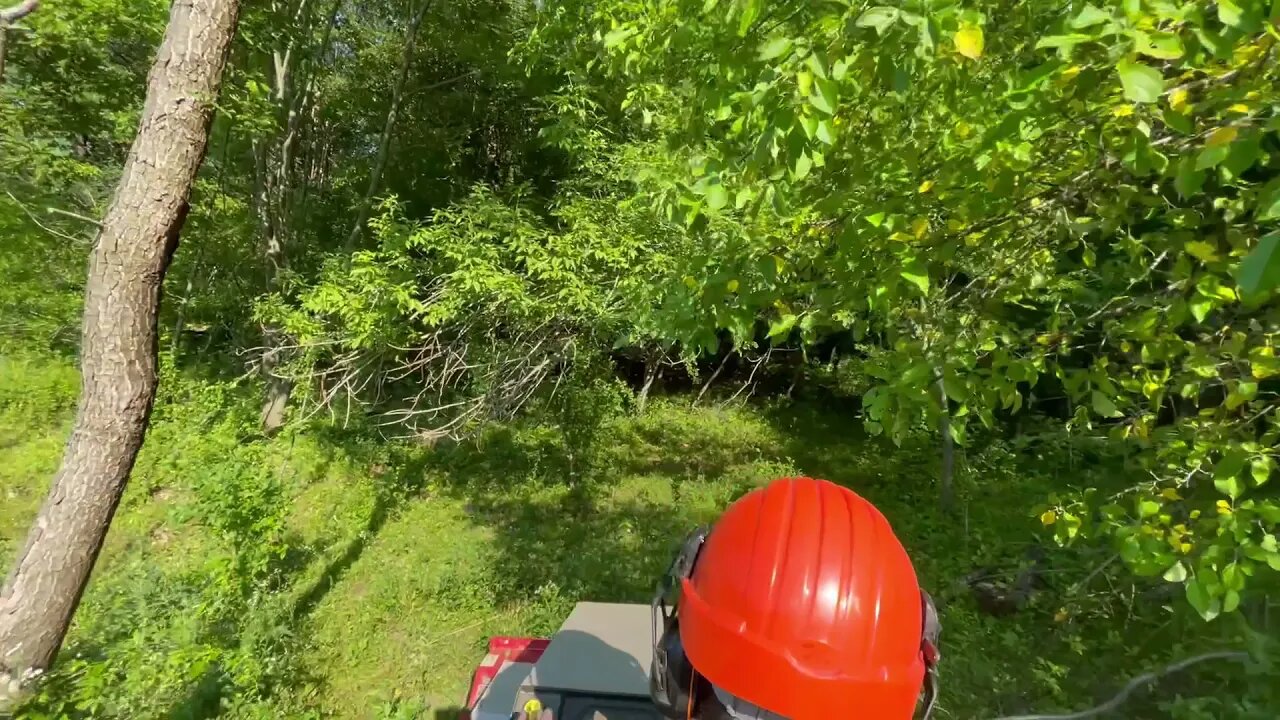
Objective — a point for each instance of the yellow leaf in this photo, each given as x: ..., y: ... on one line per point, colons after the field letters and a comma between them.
x: 1049, y: 517
x: 926, y: 186
x: 900, y: 236
x: 1185, y: 548
x: 1123, y: 111
x: 1221, y: 136
x: 919, y: 227
x: 1239, y: 108
x: 1195, y: 514
x: 733, y: 286
x: 970, y: 42
x: 1071, y: 72
x: 1178, y: 99
x: 1170, y: 494
x: 1061, y: 615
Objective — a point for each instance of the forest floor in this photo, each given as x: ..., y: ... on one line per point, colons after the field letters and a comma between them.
x: 398, y: 563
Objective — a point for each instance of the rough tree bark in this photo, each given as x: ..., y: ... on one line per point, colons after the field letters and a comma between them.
x: 9, y: 16
x: 118, y: 343
x: 384, y: 143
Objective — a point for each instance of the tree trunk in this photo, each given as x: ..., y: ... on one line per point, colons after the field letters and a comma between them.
x: 384, y: 143
x: 275, y: 174
x: 118, y: 344
x: 9, y: 16
x: 707, y: 385
x: 946, y: 486
x: 651, y: 366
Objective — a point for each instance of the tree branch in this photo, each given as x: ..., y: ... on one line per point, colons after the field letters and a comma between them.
x: 10, y: 15
x: 1134, y: 684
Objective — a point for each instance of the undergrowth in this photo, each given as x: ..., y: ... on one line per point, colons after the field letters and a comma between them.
x: 328, y: 572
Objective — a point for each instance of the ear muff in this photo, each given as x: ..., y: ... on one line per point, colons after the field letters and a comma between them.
x: 670, y: 681
x: 670, y: 672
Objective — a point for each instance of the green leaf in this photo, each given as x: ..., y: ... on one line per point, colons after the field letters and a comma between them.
x: 1243, y: 154
x: 1268, y: 206
x: 814, y: 63
x: 1200, y: 307
x: 802, y: 167
x: 1260, y: 469
x: 824, y: 133
x: 1148, y: 508
x: 1176, y: 573
x: 775, y: 48
x: 1230, y: 13
x: 1088, y: 17
x: 1189, y: 179
x: 1226, y: 473
x: 880, y: 18
x: 1205, y: 252
x: 782, y: 326
x: 1159, y: 45
x: 750, y: 11
x: 1177, y: 121
x: 617, y: 36
x: 1141, y: 83
x: 1202, y: 600
x: 1103, y: 405
x: 1260, y: 269
x: 928, y: 36
x: 1232, y: 577
x: 825, y: 97
x: 820, y: 102
x: 1066, y: 42
x: 1243, y: 393
x: 1230, y: 601
x: 917, y: 274
x: 717, y: 197
x: 1212, y: 156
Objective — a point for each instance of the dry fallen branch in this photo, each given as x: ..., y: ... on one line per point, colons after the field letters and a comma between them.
x: 1135, y: 684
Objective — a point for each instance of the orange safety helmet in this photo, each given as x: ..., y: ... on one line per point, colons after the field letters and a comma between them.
x: 801, y: 602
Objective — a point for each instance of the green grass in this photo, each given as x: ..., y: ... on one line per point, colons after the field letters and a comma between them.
x: 332, y: 574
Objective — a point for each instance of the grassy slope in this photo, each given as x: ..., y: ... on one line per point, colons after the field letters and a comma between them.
x: 400, y: 566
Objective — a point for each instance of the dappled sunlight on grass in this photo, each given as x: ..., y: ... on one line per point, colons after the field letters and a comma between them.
x: 382, y: 569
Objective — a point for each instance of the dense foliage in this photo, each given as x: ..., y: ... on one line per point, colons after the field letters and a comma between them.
x: 437, y: 239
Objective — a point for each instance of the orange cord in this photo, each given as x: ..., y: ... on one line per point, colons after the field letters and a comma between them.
x: 693, y: 689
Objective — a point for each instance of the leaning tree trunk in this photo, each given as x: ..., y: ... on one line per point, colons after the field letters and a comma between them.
x: 384, y: 142
x: 118, y: 345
